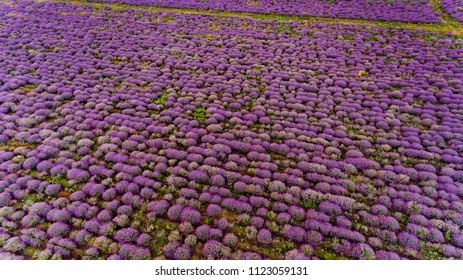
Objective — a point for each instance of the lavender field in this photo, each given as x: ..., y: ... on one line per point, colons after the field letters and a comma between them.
x: 132, y: 134
x: 454, y: 8
x: 394, y: 10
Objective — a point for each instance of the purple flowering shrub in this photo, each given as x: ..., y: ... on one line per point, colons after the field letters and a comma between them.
x: 226, y: 139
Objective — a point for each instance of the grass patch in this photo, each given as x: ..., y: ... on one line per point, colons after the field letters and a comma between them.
x: 29, y: 87
x: 139, y: 215
x: 161, y: 100
x: 159, y: 232
x: 348, y: 37
x: 309, y: 204
x: 431, y: 254
x: 158, y: 242
x: 58, y: 179
x: 199, y: 114
x: 12, y: 144
x: 324, y: 254
x: 29, y: 251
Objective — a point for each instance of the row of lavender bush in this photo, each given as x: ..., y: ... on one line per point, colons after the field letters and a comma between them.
x: 384, y: 10
x: 135, y: 135
x: 454, y: 8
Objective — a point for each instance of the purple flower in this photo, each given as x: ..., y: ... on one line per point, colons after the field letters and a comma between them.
x: 144, y: 240
x: 30, y: 220
x: 250, y: 256
x: 191, y: 241
x: 176, y: 154
x: 215, y: 234
x: 158, y: 207
x: 190, y: 215
x: 295, y: 255
x: 44, y: 166
x: 115, y: 257
x: 124, y: 209
x: 279, y: 207
x: 104, y: 216
x: 257, y: 222
x: 78, y: 175
x: 343, y: 222
x: 109, y: 194
x: 215, y: 250
x: 92, y: 226
x: 93, y: 252
x: 33, y: 237
x: 59, y: 215
x: 386, y: 255
x: 129, y: 145
x: 177, y: 181
x: 363, y: 163
x: 375, y: 242
x: 458, y: 239
x: 222, y: 223
x: 170, y: 248
x: 58, y: 229
x: 77, y: 196
x: 435, y: 236
x: 296, y: 234
x: 174, y: 212
x: 388, y: 222
x: 40, y: 208
x: 283, y: 218
x: 262, y: 212
x: 314, y: 237
x: 132, y: 252
x: 379, y: 209
x: 407, y: 240
x: 264, y: 236
x: 329, y: 208
x: 213, y: 210
x: 198, y: 176
x: 182, y: 253
x: 230, y: 240
x: 203, y: 232
x: 449, y: 251
x: 31, y: 163
x: 107, y: 229
x: 217, y: 180
x: 186, y: 228
x: 14, y: 245
x: 147, y: 193
x: 363, y: 251
x: 53, y: 189
x: 5, y: 199
x: 188, y: 193
x: 126, y: 235
x: 297, y: 213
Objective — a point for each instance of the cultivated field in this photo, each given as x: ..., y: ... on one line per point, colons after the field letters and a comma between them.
x: 231, y: 130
